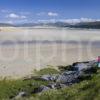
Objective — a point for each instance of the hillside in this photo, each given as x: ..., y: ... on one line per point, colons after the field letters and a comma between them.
x: 88, y: 25
x: 6, y: 25
x: 91, y: 25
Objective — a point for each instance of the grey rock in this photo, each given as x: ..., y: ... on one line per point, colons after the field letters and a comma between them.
x: 85, y: 65
x: 56, y: 85
x: 81, y: 66
x: 52, y: 85
x: 59, y: 85
x: 20, y: 95
x: 42, y: 88
x: 87, y: 68
x: 68, y: 77
x: 49, y: 77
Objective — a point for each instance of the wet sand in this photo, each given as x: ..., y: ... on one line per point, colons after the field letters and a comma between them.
x: 18, y: 59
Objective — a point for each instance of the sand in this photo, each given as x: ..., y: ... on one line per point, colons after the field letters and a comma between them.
x: 19, y: 60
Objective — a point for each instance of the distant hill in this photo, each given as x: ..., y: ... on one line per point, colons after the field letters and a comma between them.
x: 87, y: 25
x: 91, y: 25
x: 6, y: 25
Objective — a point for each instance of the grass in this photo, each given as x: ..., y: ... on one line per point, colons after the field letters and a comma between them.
x: 47, y: 71
x: 85, y: 90
x: 10, y: 88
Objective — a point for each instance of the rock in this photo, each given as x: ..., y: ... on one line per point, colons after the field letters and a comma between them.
x: 68, y: 77
x: 81, y: 66
x: 42, y: 88
x: 20, y: 95
x: 52, y: 85
x: 56, y: 85
x: 87, y: 67
x: 49, y: 77
x: 59, y: 85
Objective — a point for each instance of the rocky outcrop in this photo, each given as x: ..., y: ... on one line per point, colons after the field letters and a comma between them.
x: 68, y: 77
x: 77, y: 72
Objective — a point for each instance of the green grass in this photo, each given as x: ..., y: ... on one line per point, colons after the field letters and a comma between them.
x: 10, y: 88
x: 47, y: 71
x: 85, y: 90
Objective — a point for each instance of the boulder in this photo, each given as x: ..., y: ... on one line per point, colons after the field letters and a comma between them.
x: 81, y: 66
x: 89, y: 67
x: 49, y: 77
x: 52, y: 85
x: 68, y: 77
x: 20, y: 95
x: 42, y: 88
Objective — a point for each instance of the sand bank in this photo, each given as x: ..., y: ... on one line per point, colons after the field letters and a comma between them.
x: 20, y: 60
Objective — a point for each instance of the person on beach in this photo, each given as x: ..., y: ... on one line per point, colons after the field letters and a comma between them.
x: 98, y: 61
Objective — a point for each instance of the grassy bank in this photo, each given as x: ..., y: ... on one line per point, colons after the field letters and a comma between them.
x: 85, y: 90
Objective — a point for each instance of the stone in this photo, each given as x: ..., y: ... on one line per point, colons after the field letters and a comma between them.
x: 87, y: 68
x: 49, y: 77
x: 52, y: 85
x: 81, y: 66
x: 20, y: 95
x: 68, y: 77
x: 42, y: 88
x: 59, y: 85
x: 56, y: 85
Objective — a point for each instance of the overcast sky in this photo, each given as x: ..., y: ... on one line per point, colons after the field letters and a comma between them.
x: 22, y: 11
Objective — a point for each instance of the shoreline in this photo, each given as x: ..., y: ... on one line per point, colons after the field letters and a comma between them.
x: 20, y: 56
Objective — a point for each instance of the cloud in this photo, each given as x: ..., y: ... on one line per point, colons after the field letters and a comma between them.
x: 4, y: 11
x: 10, y: 22
x: 47, y: 21
x: 52, y: 14
x: 23, y: 17
x: 70, y: 21
x: 87, y: 20
x: 73, y: 21
x: 13, y: 15
x: 17, y: 21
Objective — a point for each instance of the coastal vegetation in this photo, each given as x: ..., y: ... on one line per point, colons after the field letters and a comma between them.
x: 88, y: 89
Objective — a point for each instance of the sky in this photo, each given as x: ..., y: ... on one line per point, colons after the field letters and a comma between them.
x: 24, y: 11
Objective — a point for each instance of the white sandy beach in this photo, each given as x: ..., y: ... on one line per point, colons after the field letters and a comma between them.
x: 20, y: 60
